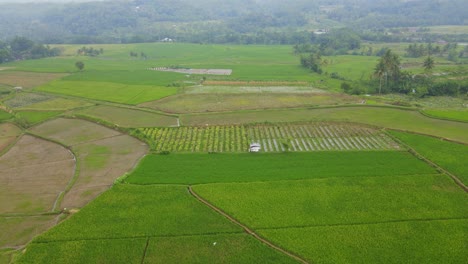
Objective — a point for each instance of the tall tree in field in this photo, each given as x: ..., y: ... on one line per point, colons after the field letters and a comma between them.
x: 388, y: 68
x: 80, y: 65
x: 428, y: 64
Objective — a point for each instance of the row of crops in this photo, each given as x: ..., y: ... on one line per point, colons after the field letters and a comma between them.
x: 272, y: 138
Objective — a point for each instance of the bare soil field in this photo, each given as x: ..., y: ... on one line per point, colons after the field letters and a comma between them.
x: 103, y: 155
x: 8, y: 134
x: 27, y: 80
x: 125, y: 117
x: 198, y: 103
x: 73, y: 131
x: 100, y: 163
x: 19, y: 230
x: 32, y: 175
x: 252, y: 83
x: 195, y: 71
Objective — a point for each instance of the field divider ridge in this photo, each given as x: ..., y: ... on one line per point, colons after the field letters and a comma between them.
x: 368, y: 223
x: 245, y: 228
x: 145, y: 250
x: 45, y: 241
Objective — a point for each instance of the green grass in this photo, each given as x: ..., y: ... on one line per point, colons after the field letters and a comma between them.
x: 378, y: 116
x: 247, y: 167
x: 457, y: 115
x: 86, y: 251
x: 450, y: 156
x: 34, y: 117
x: 109, y: 91
x: 140, y: 211
x: 401, y: 242
x: 338, y: 201
x: 5, y: 115
x: 234, y: 248
x: 128, y: 117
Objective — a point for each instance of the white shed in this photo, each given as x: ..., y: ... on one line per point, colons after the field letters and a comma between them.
x: 254, y: 147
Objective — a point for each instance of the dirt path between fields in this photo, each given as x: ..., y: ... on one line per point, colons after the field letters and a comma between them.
x: 246, y: 229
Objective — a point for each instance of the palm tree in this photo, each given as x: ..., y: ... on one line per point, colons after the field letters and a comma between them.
x: 388, y: 66
x: 428, y: 64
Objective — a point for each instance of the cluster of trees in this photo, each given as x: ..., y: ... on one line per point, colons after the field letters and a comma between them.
x: 135, y: 55
x: 92, y: 52
x: 21, y: 48
x: 389, y: 78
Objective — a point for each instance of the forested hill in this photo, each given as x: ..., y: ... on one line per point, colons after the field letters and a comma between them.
x: 218, y: 21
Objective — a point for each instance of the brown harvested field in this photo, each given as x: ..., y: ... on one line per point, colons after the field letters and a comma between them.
x: 100, y: 163
x: 32, y: 175
x: 197, y: 103
x: 73, y: 131
x: 17, y: 231
x: 125, y: 117
x: 27, y: 79
x: 103, y: 155
x: 8, y: 134
x: 252, y: 83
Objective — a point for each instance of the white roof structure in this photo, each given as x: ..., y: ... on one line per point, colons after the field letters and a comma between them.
x: 254, y: 147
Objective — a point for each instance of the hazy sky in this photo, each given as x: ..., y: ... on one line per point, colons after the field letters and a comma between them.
x: 45, y: 1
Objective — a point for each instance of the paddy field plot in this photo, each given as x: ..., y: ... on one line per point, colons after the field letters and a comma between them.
x: 86, y: 251
x: 27, y: 79
x: 247, y: 167
x: 147, y: 224
x: 109, y: 91
x: 378, y: 116
x: 130, y: 211
x: 387, y: 219
x: 33, y: 173
x: 125, y: 117
x: 338, y: 201
x: 232, y: 248
x: 242, y: 89
x: 5, y: 115
x: 273, y: 138
x: 103, y: 155
x: 450, y: 114
x: 19, y: 230
x: 73, y: 131
x: 26, y: 99
x: 35, y: 117
x: 8, y: 134
x: 100, y: 163
x: 438, y: 241
x: 220, y: 102
x: 449, y: 155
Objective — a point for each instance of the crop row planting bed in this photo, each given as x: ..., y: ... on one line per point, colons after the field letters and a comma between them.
x: 273, y: 138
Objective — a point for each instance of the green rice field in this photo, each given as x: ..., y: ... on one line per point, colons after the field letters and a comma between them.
x: 206, y: 168
x: 336, y: 179
x: 107, y: 91
x: 449, y: 155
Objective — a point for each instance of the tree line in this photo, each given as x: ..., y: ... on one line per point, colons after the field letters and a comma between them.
x: 221, y: 21
x: 21, y: 48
